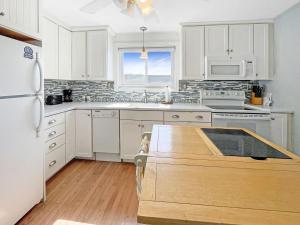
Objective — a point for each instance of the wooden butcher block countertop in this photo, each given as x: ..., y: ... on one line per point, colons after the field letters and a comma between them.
x: 188, y: 181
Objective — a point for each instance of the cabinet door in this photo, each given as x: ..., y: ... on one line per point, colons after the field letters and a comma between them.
x: 148, y: 125
x: 279, y: 130
x: 216, y: 40
x: 65, y: 54
x: 193, y: 52
x: 21, y: 16
x: 50, y: 49
x: 5, y: 12
x: 79, y: 55
x: 31, y: 15
x: 261, y: 51
x: 84, y: 134
x: 70, y: 135
x: 241, y: 40
x: 96, y: 55
x: 131, y: 136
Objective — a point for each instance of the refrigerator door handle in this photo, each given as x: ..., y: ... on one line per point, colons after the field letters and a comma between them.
x: 40, y: 73
x: 39, y: 126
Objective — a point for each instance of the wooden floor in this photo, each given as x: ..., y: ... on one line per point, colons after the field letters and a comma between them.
x: 88, y: 193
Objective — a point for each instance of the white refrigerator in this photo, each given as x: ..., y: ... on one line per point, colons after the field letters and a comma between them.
x: 21, y: 116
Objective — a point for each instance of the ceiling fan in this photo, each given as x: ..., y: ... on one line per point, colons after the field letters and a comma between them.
x: 143, y: 8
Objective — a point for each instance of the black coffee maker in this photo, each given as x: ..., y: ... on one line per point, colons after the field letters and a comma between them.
x: 68, y: 95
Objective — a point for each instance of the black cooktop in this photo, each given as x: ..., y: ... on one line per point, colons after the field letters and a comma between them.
x: 239, y: 143
x: 228, y: 107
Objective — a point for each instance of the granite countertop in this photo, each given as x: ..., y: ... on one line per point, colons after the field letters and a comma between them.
x: 55, y: 109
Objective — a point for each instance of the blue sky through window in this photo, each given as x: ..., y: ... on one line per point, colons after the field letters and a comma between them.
x: 159, y: 63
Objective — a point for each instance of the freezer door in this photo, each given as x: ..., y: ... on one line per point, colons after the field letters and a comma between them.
x: 21, y: 158
x: 19, y: 70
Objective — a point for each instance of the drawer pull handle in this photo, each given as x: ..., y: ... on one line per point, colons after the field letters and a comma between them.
x: 53, y: 145
x: 175, y: 116
x: 199, y: 117
x: 52, y: 122
x: 52, y: 163
x: 52, y: 134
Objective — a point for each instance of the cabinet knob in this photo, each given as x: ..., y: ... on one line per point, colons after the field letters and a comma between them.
x: 52, y: 163
x: 51, y: 122
x: 2, y: 14
x: 272, y: 118
x: 199, y: 117
x: 52, y: 134
x: 82, y: 75
x: 139, y: 125
x: 231, y: 50
x: 175, y: 116
x: 53, y: 145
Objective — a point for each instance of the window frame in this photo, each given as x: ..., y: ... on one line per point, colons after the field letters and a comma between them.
x: 121, y: 77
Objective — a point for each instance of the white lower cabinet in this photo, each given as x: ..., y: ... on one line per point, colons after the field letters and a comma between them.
x: 281, y: 128
x: 70, y: 136
x: 131, y: 132
x: 54, y: 161
x: 55, y: 144
x: 132, y: 125
x: 84, y: 134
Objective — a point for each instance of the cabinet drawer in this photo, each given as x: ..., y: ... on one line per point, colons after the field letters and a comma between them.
x: 55, y: 131
x: 199, y: 117
x: 52, y: 121
x: 55, y: 143
x: 55, y: 160
x: 202, y: 125
x: 141, y: 115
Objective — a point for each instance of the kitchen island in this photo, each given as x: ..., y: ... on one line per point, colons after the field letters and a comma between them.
x: 189, y: 180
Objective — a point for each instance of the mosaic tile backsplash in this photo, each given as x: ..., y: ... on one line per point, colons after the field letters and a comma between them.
x: 103, y: 91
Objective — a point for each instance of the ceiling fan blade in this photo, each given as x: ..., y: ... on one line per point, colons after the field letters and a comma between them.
x: 131, y: 9
x: 122, y: 4
x: 94, y: 6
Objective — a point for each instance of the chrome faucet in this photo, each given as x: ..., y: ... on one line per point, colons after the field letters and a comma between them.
x: 145, y: 96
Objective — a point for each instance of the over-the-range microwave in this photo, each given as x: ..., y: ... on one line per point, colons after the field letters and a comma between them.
x: 230, y: 68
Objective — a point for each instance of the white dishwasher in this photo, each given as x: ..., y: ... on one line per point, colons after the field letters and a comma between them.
x: 106, y: 131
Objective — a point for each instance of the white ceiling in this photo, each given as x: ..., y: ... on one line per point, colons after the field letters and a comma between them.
x: 170, y: 12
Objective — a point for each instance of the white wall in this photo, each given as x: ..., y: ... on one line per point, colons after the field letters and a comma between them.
x: 286, y: 84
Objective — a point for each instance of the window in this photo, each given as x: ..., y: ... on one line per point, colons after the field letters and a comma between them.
x: 156, y: 71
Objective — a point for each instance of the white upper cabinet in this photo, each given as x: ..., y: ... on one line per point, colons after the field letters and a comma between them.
x: 263, y: 50
x: 91, y: 55
x: 21, y: 16
x: 241, y: 40
x: 193, y: 52
x: 224, y: 42
x: 50, y: 49
x: 65, y: 51
x: 216, y: 40
x: 96, y: 55
x: 79, y: 55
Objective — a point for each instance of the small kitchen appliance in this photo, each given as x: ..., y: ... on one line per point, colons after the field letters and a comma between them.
x: 54, y: 100
x: 68, y: 95
x: 230, y: 68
